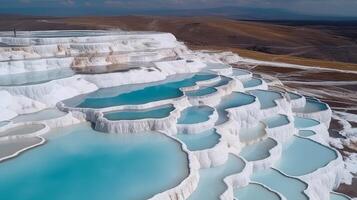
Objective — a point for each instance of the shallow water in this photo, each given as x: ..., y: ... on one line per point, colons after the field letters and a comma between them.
x: 200, y: 141
x: 201, y: 92
x: 84, y: 164
x: 211, y: 184
x: 291, y: 188
x: 148, y: 94
x: 276, y: 121
x: 195, y: 114
x: 314, y: 106
x: 301, y: 122
x: 253, y: 82
x: 35, y: 77
x: 266, y: 98
x: 259, y: 150
x: 22, y: 130
x: 236, y: 99
x: 156, y: 112
x: 306, y: 154
x: 306, y: 133
x: 46, y: 114
x: 335, y: 196
x: 251, y: 134
x: 254, y: 191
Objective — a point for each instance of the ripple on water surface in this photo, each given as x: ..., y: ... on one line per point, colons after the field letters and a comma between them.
x: 84, y: 164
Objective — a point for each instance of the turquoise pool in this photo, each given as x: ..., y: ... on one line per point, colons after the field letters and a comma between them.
x: 85, y: 164
x: 224, y: 81
x: 156, y: 112
x: 211, y: 184
x: 306, y: 154
x: 35, y: 77
x: 276, y: 121
x: 335, y: 196
x: 306, y: 133
x: 200, y: 141
x: 314, y: 106
x: 294, y: 96
x: 145, y: 95
x: 240, y: 72
x: 253, y: 82
x: 195, y: 114
x: 236, y: 99
x: 301, y: 122
x: 266, y: 98
x: 259, y: 150
x: 255, y: 192
x: 291, y: 188
x: 201, y: 92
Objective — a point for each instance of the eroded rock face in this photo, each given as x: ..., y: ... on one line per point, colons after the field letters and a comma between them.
x: 110, y: 66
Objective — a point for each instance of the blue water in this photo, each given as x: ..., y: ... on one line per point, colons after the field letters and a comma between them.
x: 46, y: 114
x: 195, y: 114
x: 306, y: 133
x: 240, y: 72
x: 211, y: 184
x: 266, y: 98
x: 259, y: 150
x: 276, y: 121
x: 255, y: 192
x: 236, y: 99
x: 304, y: 156
x: 35, y: 77
x: 314, y: 106
x: 291, y: 188
x: 294, y: 96
x: 84, y: 164
x: 224, y: 81
x: 335, y: 196
x: 149, y: 94
x: 156, y: 112
x: 200, y: 141
x: 301, y: 122
x: 201, y: 92
x: 253, y: 82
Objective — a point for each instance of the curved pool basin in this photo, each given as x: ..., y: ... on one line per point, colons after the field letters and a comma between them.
x: 253, y: 82
x: 291, y: 188
x: 307, y: 154
x: 148, y: 94
x: 312, y: 106
x: 151, y: 113
x: 276, y: 121
x: 11, y: 147
x: 306, y: 133
x: 200, y: 141
x: 255, y: 191
x: 195, y: 114
x: 201, y: 92
x: 236, y: 99
x: 301, y: 122
x: 336, y: 196
x: 22, y: 130
x: 46, y: 114
x: 240, y: 72
x: 294, y: 96
x: 224, y: 81
x: 35, y: 77
x: 266, y: 97
x: 259, y: 150
x: 211, y: 184
x: 86, y: 164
